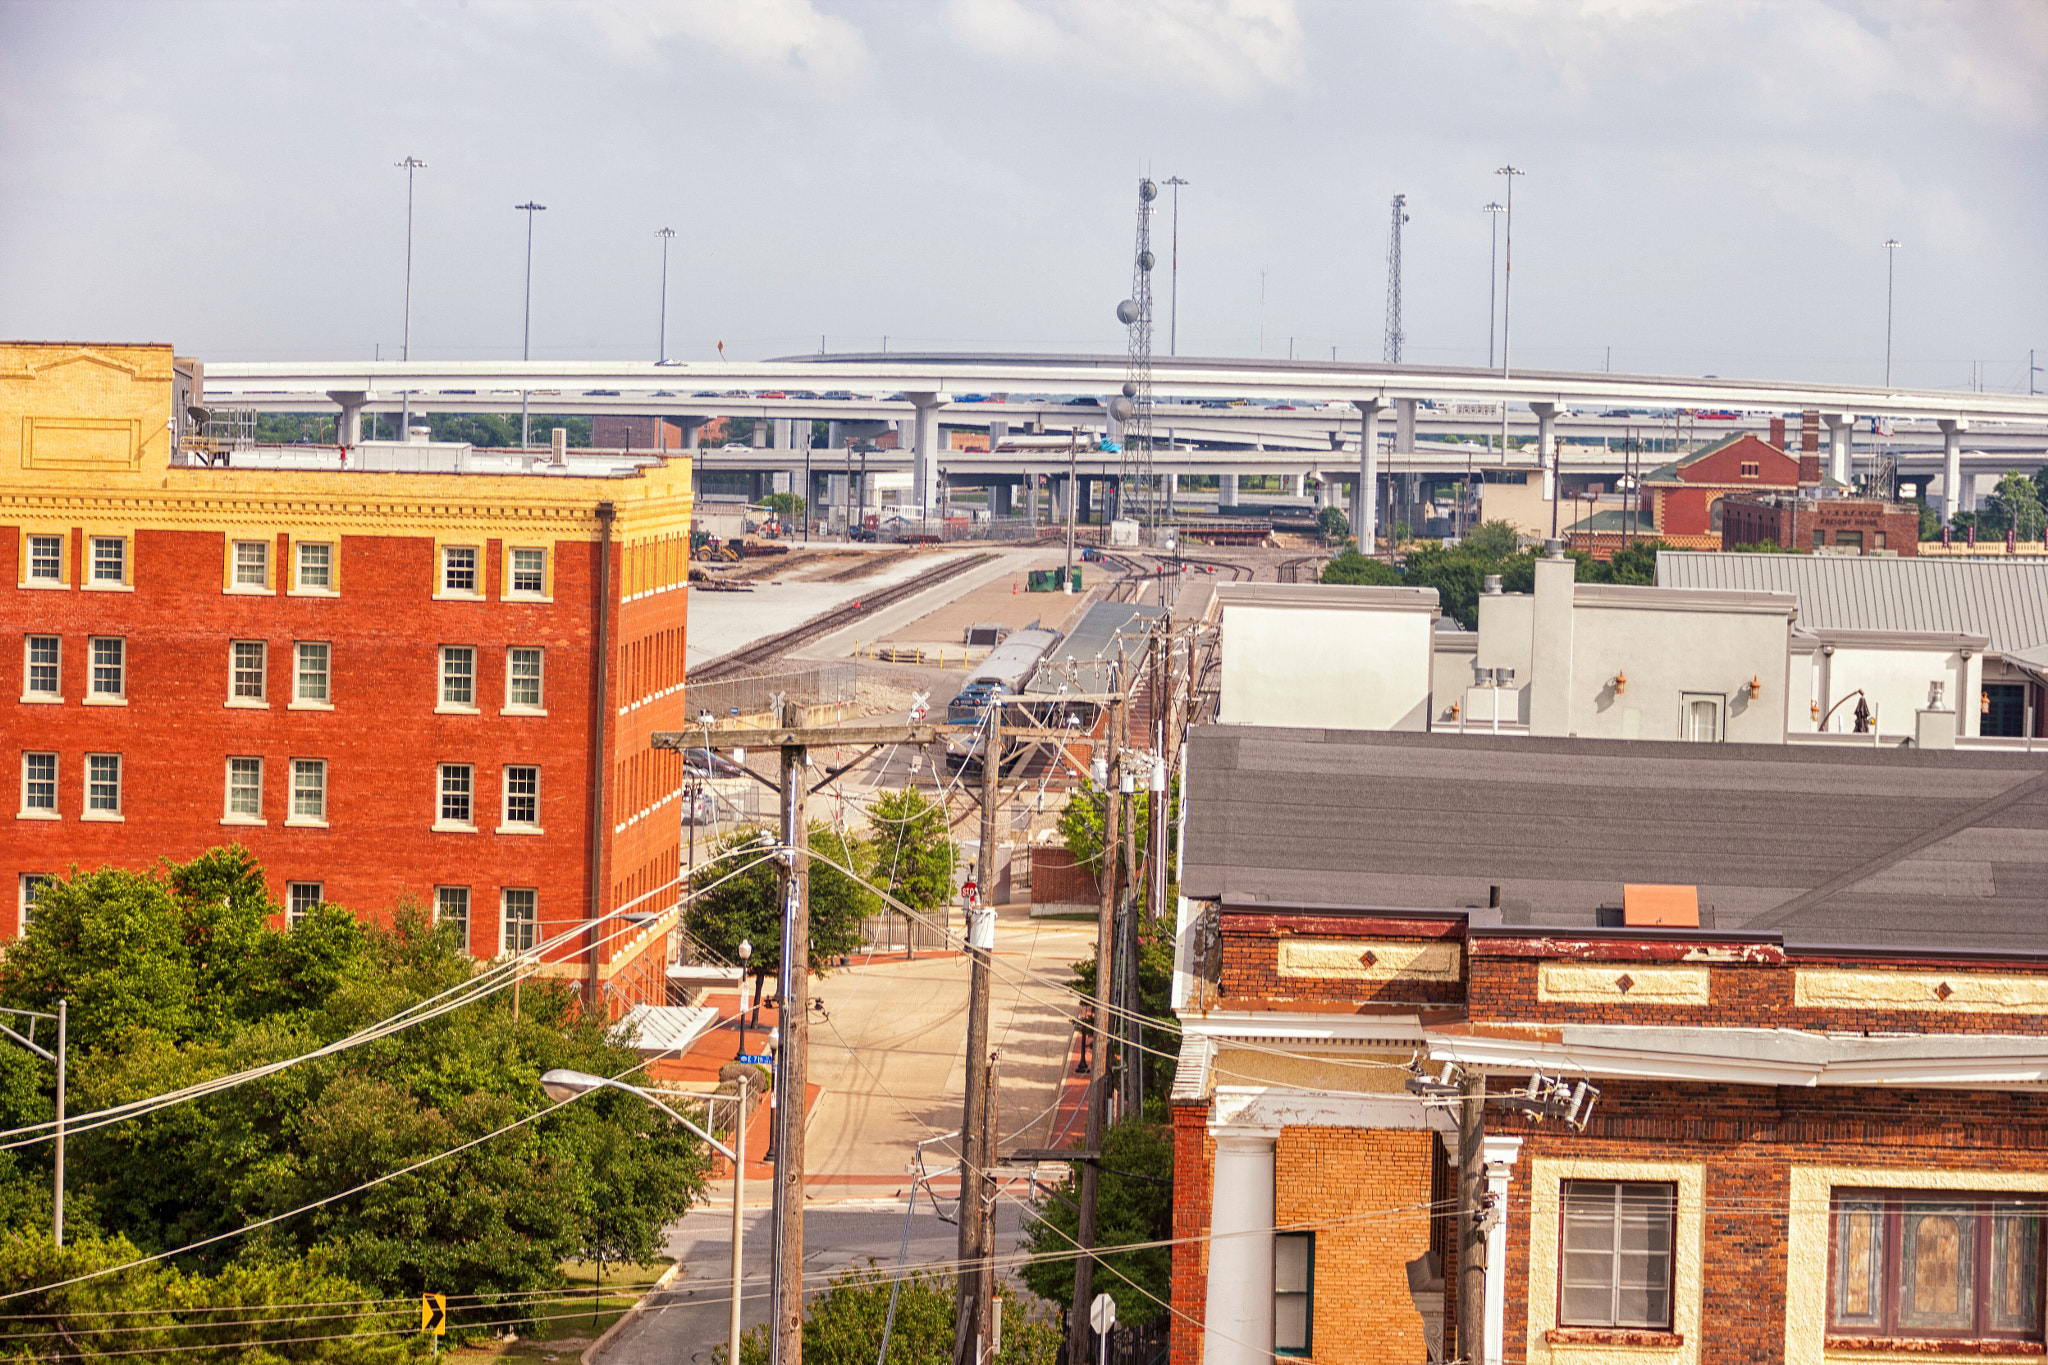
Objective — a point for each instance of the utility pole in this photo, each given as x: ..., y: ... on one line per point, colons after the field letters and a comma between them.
x: 409, y: 165
x: 1098, y: 1081
x: 1173, y: 304
x: 1493, y: 211
x: 1133, y: 1074
x: 1471, y: 1239
x: 1891, y: 257
x: 1507, y: 281
x: 661, y: 349
x: 1073, y: 489
x: 976, y: 1292
x: 793, y: 1001
x: 529, y: 208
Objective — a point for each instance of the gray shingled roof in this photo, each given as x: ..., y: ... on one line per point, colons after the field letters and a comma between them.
x: 1874, y: 847
x: 2005, y: 599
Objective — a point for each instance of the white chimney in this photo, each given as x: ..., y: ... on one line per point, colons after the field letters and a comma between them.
x: 561, y: 447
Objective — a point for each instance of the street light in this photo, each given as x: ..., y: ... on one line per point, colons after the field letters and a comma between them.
x: 1891, y: 257
x: 1493, y: 212
x: 746, y: 954
x: 563, y: 1085
x: 409, y: 165
x: 1507, y: 284
x: 529, y: 208
x: 1173, y: 313
x: 661, y: 355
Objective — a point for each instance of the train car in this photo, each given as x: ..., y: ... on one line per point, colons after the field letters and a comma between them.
x: 1004, y: 673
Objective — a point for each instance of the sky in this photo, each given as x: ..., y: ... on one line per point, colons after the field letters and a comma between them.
x: 1709, y: 182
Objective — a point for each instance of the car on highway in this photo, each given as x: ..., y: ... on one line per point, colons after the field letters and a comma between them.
x: 1084, y: 402
x: 837, y: 396
x: 772, y: 393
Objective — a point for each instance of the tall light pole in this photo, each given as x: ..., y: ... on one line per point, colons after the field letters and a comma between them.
x: 1891, y: 257
x: 409, y: 165
x: 1493, y: 213
x: 1507, y: 284
x: 529, y: 208
x: 562, y: 1085
x: 1173, y: 298
x: 661, y: 355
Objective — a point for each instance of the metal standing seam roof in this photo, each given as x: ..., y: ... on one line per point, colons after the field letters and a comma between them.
x: 2006, y: 600
x: 1091, y: 647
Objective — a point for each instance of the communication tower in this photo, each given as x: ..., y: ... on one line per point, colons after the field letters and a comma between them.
x: 1135, y: 500
x: 1394, y: 333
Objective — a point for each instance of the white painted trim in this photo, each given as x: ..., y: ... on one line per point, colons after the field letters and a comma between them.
x: 1243, y: 1110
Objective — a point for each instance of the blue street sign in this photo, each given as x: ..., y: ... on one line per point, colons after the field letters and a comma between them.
x: 757, y: 1058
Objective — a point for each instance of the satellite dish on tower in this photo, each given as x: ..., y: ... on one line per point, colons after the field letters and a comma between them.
x: 1127, y: 312
x: 1121, y: 408
x: 1130, y: 389
x: 1145, y: 260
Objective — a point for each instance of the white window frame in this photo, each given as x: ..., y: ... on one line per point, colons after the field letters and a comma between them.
x: 300, y: 701
x: 49, y: 812
x: 442, y: 791
x: 1685, y: 704
x: 443, y: 566
x: 236, y: 582
x: 441, y: 898
x: 531, y: 926
x: 230, y: 769
x: 293, y: 915
x: 508, y: 825
x: 29, y: 884
x: 300, y: 588
x: 515, y: 593
x: 1303, y: 1293
x: 261, y: 701
x: 1617, y: 1253
x: 93, y: 781
x: 29, y: 694
x: 121, y: 582
x: 29, y: 577
x: 538, y: 707
x: 94, y: 695
x: 300, y: 769
x: 443, y: 703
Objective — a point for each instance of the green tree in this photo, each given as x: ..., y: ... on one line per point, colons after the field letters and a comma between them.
x: 1930, y: 520
x: 1332, y: 526
x: 1133, y: 1205
x: 1352, y: 567
x: 788, y: 506
x: 910, y: 847
x: 1493, y: 539
x: 843, y: 1325
x: 740, y: 898
x: 1634, y: 563
x: 2015, y: 504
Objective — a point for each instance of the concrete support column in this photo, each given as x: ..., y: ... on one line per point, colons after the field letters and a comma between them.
x: 1238, y: 1316
x: 1294, y: 483
x: 1000, y: 499
x: 1500, y: 1153
x: 1840, y: 426
x: 1226, y: 491
x: 924, y: 462
x: 1404, y: 425
x: 348, y: 428
x: 1031, y: 498
x: 1365, y: 512
x: 1952, y: 497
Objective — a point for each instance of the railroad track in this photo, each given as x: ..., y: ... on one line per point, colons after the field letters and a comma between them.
x: 1290, y: 570
x: 761, y: 651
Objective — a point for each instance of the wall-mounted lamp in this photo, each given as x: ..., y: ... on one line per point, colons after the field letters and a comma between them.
x: 1984, y: 703
x: 1966, y: 656
x: 1620, y: 684
x: 1454, y: 710
x: 1828, y: 650
x: 1934, y: 695
x: 1756, y: 686
x: 1813, y: 707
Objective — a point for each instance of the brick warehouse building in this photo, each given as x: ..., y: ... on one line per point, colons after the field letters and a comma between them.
x: 1821, y: 1133
x: 1847, y: 525
x: 436, y: 683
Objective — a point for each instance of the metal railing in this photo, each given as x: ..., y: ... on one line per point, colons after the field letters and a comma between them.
x: 896, y: 933
x: 825, y: 684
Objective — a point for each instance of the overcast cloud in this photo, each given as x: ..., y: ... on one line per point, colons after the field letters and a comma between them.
x: 1708, y: 182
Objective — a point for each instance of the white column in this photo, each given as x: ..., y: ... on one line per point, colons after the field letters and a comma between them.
x: 1953, y: 499
x: 1238, y: 1314
x: 1404, y: 425
x: 1840, y: 426
x: 348, y: 428
x: 1500, y: 1154
x: 1546, y: 450
x: 1365, y: 519
x: 1226, y: 491
x: 924, y: 461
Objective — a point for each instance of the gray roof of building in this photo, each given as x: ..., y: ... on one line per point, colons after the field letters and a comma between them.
x: 2004, y: 599
x: 1872, y: 848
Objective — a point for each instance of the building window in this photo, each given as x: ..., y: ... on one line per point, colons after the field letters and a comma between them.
x: 302, y: 898
x: 522, y: 796
x: 458, y: 570
x: 309, y: 789
x: 247, y: 670
x: 1852, y: 540
x: 316, y: 566
x: 109, y: 667
x: 39, y: 784
x: 1699, y: 717
x: 1752, y: 469
x: 33, y: 885
x: 1294, y: 1284
x: 311, y: 674
x: 245, y: 790
x: 102, y: 786
x: 1820, y: 538
x: 109, y: 559
x: 522, y: 679
x: 458, y: 787
x: 1951, y: 1266
x: 529, y: 572
x: 458, y: 676
x: 46, y: 559
x: 252, y: 565
x: 522, y: 920
x: 1616, y: 1253
x: 451, y: 907
x: 40, y: 671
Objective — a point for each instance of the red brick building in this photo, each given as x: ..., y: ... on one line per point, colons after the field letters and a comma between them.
x: 1819, y: 1133
x: 1685, y: 495
x: 1791, y: 522
x: 435, y: 685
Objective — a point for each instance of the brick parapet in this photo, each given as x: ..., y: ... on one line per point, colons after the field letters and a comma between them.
x: 1194, y: 1167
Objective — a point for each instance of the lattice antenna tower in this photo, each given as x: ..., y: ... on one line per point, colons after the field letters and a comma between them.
x: 1394, y: 334
x: 1134, y: 475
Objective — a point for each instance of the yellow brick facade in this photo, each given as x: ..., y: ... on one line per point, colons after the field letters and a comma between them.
x: 1366, y: 1193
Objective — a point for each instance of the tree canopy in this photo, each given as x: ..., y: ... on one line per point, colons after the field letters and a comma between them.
x: 1134, y: 1204
x: 747, y: 905
x: 843, y: 1324
x: 912, y: 848
x: 1459, y: 571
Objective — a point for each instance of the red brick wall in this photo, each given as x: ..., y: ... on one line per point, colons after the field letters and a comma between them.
x: 1056, y: 879
x: 1251, y: 960
x: 1194, y: 1167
